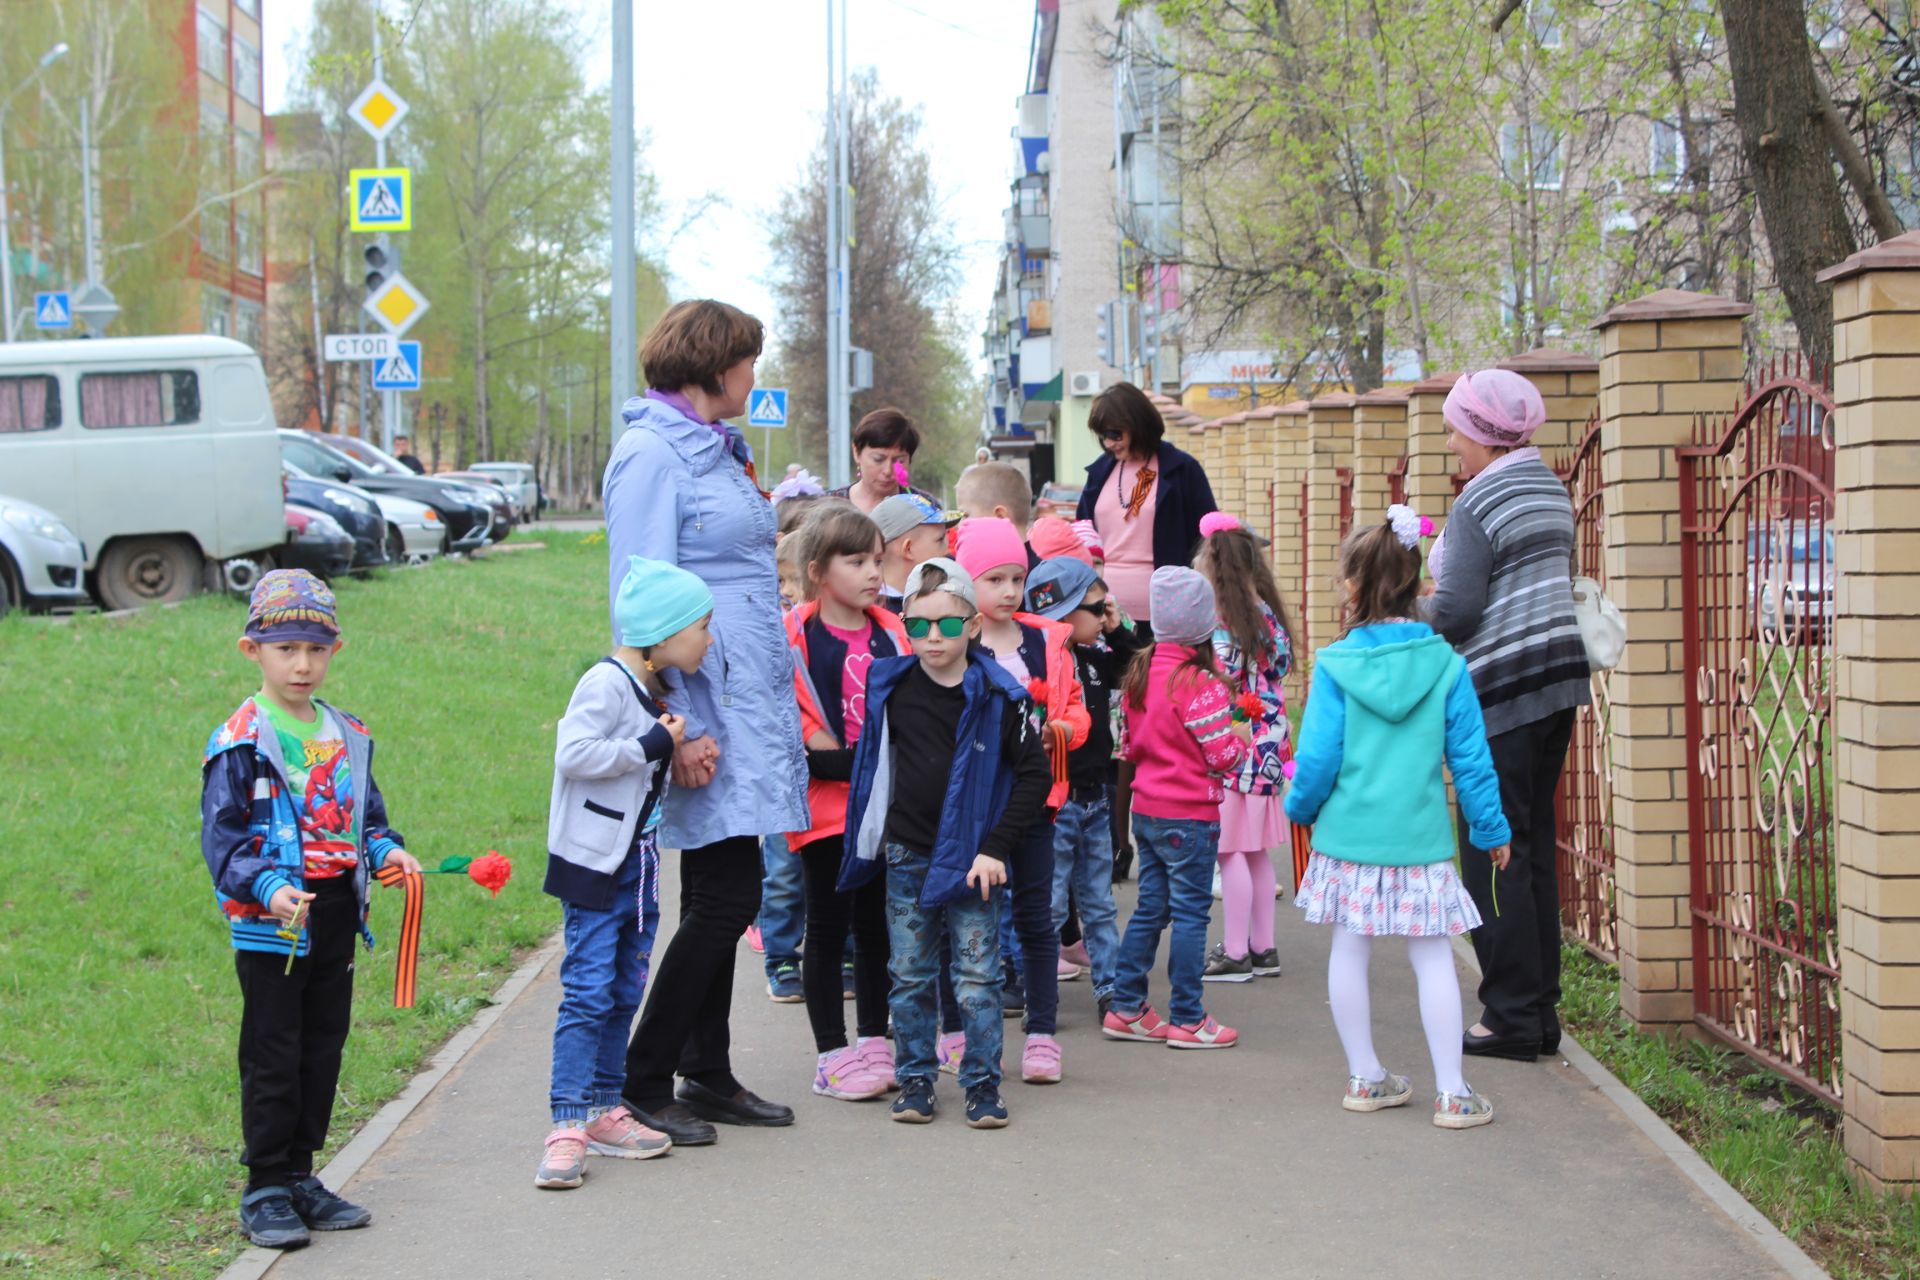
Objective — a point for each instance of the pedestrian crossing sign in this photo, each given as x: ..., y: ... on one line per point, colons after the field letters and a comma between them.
x: 399, y: 371
x: 396, y: 305
x: 767, y: 407
x: 53, y: 310
x: 381, y: 200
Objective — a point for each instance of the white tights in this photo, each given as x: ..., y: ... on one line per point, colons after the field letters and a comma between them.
x: 1433, y: 973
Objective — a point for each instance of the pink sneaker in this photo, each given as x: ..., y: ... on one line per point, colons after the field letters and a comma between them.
x: 1144, y: 1025
x: 1205, y: 1034
x: 847, y: 1075
x: 1040, y: 1060
x: 1068, y: 971
x: 617, y: 1133
x: 563, y: 1164
x: 878, y: 1053
x: 754, y: 940
x: 951, y: 1048
x: 1077, y: 954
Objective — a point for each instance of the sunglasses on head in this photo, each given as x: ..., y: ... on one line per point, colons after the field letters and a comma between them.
x: 950, y: 627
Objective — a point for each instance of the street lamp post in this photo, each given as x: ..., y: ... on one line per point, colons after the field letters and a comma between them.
x: 47, y: 59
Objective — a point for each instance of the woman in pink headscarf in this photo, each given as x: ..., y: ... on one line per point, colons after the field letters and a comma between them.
x: 1504, y: 598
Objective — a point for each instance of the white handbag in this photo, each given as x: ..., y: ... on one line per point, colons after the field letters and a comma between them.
x: 1602, y: 628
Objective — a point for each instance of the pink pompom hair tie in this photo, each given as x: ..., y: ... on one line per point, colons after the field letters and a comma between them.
x: 1214, y: 521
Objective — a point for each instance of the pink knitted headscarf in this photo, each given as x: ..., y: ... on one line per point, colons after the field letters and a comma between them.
x: 1051, y: 537
x: 1496, y: 407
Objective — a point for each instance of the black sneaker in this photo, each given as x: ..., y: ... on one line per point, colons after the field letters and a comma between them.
x: 322, y: 1210
x: 915, y: 1103
x: 984, y: 1108
x: 1013, y: 1000
x: 268, y: 1220
x: 846, y: 979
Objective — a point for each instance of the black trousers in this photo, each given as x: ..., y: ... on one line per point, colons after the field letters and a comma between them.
x: 1518, y: 943
x: 829, y: 913
x: 690, y: 997
x: 293, y: 1027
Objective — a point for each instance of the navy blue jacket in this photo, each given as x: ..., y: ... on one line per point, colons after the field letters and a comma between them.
x: 1181, y: 496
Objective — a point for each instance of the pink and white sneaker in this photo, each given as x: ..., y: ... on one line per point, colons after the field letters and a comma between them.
x: 754, y: 940
x: 1205, y: 1034
x: 1068, y: 972
x: 617, y: 1133
x: 1144, y: 1025
x: 949, y: 1050
x: 1077, y: 954
x: 1040, y: 1060
x: 846, y: 1074
x: 878, y: 1052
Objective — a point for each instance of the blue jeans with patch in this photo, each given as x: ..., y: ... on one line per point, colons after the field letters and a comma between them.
x: 783, y: 916
x: 602, y: 980
x: 1175, y: 869
x: 969, y: 928
x: 1083, y: 862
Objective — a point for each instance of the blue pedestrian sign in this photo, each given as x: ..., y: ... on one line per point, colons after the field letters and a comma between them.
x: 382, y: 200
x: 55, y: 310
x: 399, y: 371
x: 767, y: 407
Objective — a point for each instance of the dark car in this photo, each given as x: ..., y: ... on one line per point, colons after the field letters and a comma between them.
x: 488, y: 483
x: 468, y: 516
x: 355, y: 512
x: 317, y: 543
x: 368, y: 455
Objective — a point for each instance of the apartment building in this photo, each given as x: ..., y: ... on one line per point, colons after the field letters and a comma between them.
x: 225, y: 286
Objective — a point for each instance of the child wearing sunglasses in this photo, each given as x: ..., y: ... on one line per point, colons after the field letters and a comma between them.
x: 948, y: 778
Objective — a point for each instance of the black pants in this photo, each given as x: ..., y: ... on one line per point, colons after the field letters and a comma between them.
x: 1519, y: 943
x: 293, y: 1027
x: 829, y: 913
x: 684, y: 1024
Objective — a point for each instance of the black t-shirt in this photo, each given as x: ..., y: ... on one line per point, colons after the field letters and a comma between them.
x: 923, y: 725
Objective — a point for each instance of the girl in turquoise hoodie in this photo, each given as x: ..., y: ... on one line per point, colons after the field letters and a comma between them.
x: 1390, y: 701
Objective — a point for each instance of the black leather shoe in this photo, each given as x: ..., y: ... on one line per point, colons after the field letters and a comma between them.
x: 1516, y: 1048
x: 1550, y: 1037
x: 1122, y: 865
x: 677, y: 1122
x: 745, y: 1107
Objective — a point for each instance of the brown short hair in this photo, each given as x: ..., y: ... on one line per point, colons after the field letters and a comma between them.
x: 1125, y: 407
x: 793, y: 512
x: 886, y: 428
x: 997, y: 484
x: 696, y: 342
x: 1385, y: 576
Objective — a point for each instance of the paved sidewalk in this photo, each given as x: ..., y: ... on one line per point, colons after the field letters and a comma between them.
x: 1235, y: 1162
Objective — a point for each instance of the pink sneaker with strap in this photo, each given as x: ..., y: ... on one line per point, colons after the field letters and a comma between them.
x: 1040, y: 1060
x: 563, y: 1166
x: 1144, y: 1025
x: 617, y: 1133
x: 949, y: 1050
x: 878, y: 1053
x: 1205, y: 1034
x: 845, y: 1073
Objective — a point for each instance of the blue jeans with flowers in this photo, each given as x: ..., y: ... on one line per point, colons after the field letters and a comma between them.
x: 1176, y: 857
x: 967, y: 927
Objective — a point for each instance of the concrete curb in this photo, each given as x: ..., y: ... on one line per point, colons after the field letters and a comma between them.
x: 255, y: 1262
x: 1792, y: 1259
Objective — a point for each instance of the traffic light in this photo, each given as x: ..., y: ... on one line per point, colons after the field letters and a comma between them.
x: 383, y: 262
x: 1149, y: 332
x: 1103, y: 333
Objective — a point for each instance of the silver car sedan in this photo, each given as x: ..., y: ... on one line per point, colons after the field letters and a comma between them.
x: 41, y: 560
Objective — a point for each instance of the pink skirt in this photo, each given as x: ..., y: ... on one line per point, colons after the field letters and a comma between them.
x: 1251, y: 823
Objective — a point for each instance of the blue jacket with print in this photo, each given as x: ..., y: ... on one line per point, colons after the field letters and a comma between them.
x: 250, y: 831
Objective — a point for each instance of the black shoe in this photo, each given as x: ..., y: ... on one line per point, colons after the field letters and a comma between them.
x: 984, y: 1108
x: 267, y: 1218
x: 322, y: 1210
x: 745, y: 1107
x: 915, y: 1103
x: 677, y: 1122
x: 1550, y: 1035
x: 1516, y: 1048
x: 1122, y: 864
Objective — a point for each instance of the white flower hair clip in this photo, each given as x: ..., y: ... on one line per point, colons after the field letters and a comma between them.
x: 801, y: 484
x: 1408, y: 525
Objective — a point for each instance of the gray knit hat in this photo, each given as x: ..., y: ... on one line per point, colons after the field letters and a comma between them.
x: 1183, y: 610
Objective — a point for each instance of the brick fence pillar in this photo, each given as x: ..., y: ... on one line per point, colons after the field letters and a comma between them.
x: 1232, y: 483
x: 1665, y: 358
x: 1570, y: 384
x: 1430, y: 467
x: 1329, y: 453
x: 1876, y: 381
x: 1379, y: 442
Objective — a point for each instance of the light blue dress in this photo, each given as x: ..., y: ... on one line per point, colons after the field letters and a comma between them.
x: 675, y: 491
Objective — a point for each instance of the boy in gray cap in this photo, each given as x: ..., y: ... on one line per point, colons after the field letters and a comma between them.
x: 914, y: 531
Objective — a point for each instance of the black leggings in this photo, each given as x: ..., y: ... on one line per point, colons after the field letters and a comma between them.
x: 829, y: 912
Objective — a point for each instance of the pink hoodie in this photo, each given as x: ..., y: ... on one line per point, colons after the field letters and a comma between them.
x: 1182, y: 741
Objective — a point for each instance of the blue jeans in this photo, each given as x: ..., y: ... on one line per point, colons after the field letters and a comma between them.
x: 602, y: 980
x: 782, y: 903
x: 1176, y: 857
x: 970, y: 928
x: 1083, y: 860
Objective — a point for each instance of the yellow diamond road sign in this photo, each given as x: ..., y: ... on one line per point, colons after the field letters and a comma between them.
x: 378, y: 109
x: 397, y: 305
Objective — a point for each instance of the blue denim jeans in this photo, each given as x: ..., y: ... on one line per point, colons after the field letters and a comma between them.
x: 970, y: 928
x: 1083, y: 860
x: 602, y: 980
x: 783, y: 915
x: 1175, y: 868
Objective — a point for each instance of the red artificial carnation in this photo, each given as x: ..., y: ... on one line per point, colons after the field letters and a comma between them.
x: 491, y: 872
x: 1249, y: 707
x: 1037, y: 690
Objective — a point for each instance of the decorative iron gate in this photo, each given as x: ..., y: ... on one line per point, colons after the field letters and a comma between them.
x: 1397, y: 482
x: 1585, y: 820
x: 1306, y: 572
x: 1345, y: 478
x: 1757, y: 581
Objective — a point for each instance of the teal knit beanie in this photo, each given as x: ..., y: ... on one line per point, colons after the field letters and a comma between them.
x: 657, y: 599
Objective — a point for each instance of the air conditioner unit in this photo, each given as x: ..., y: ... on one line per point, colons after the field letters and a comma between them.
x: 1083, y: 384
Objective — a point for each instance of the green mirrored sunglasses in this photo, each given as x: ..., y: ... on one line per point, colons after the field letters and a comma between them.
x: 917, y: 628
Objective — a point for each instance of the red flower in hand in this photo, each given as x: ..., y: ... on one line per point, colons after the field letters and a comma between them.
x: 1248, y: 706
x: 1037, y: 690
x: 491, y: 872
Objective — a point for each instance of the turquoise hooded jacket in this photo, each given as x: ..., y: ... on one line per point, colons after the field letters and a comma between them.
x: 1389, y: 703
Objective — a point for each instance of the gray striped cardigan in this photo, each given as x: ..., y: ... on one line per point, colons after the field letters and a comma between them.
x: 1505, y: 597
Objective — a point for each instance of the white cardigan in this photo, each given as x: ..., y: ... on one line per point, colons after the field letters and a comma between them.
x: 609, y: 774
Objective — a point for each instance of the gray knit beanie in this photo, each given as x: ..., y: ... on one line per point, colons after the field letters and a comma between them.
x: 1182, y: 606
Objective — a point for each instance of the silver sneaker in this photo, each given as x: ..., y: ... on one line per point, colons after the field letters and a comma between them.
x: 1222, y: 967
x: 1461, y: 1110
x: 1266, y: 964
x: 1377, y: 1095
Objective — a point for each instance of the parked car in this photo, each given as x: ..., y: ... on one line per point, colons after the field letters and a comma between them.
x: 369, y: 455
x: 315, y: 542
x: 492, y: 484
x: 158, y: 453
x: 414, y: 529
x: 1788, y: 585
x: 467, y: 514
x: 353, y: 509
x: 521, y: 482
x: 41, y: 560
x: 1056, y: 499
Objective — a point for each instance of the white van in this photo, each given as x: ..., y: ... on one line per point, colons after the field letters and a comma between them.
x: 160, y: 453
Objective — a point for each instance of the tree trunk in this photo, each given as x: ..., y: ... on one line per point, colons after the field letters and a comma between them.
x: 481, y: 417
x: 1776, y: 103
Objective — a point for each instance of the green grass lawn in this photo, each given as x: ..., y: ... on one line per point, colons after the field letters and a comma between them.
x: 118, y: 1089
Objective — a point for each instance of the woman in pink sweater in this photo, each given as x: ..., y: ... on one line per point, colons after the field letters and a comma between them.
x: 1182, y: 741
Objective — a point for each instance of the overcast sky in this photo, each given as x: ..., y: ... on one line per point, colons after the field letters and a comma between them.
x: 730, y: 91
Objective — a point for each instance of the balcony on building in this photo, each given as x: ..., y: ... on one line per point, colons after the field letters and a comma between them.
x: 1034, y: 212
x: 1032, y: 132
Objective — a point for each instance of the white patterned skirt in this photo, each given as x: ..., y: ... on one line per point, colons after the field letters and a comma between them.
x: 1414, y: 902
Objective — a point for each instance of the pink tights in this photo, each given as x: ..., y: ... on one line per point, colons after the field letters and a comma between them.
x: 1246, y: 897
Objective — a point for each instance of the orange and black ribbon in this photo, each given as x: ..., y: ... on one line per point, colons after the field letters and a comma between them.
x: 406, y: 968
x: 1302, y: 851
x: 1057, y: 739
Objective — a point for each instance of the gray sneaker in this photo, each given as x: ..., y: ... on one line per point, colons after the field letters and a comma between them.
x: 1266, y: 964
x: 1377, y: 1095
x: 1461, y: 1111
x: 1222, y: 967
x: 564, y: 1166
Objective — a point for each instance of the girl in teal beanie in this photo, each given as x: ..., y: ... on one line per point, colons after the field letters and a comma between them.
x: 1390, y: 701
